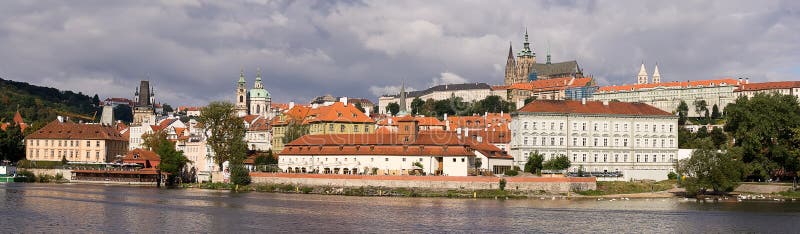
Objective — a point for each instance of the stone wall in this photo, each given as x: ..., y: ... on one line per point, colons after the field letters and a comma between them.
x: 66, y: 173
x: 552, y: 185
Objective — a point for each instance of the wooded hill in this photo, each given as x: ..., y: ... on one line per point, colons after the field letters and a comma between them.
x: 40, y: 105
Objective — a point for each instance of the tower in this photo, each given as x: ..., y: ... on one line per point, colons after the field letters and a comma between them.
x: 548, y: 53
x: 642, y: 77
x: 656, y: 75
x: 143, y: 111
x: 241, y: 95
x: 259, y: 100
x: 511, y: 64
x: 526, y: 58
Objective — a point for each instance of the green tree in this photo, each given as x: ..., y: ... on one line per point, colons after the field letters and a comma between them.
x: 11, y: 143
x: 123, y: 113
x: 153, y: 141
x: 361, y: 108
x: 715, y: 114
x: 560, y: 162
x: 224, y: 132
x: 700, y: 106
x: 393, y: 108
x: 683, y: 113
x: 710, y: 169
x: 534, y: 162
x: 763, y: 127
x: 167, y: 108
x: 239, y: 174
x: 172, y: 162
x: 294, y: 130
x: 416, y: 106
x: 718, y: 137
x: 96, y: 99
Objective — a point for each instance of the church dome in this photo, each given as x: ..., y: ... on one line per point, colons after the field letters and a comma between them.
x: 259, y: 93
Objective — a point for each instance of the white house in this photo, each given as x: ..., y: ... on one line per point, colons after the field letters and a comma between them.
x: 635, y: 140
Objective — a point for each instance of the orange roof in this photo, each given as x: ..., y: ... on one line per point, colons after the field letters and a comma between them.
x: 426, y: 143
x: 673, y: 84
x: 142, y: 156
x: 249, y: 118
x: 279, y: 106
x: 495, y: 121
x: 180, y: 131
x: 768, y: 86
x: 337, y: 112
x: 260, y: 124
x: 69, y: 130
x: 423, y: 121
x: 552, y: 84
x: 592, y: 107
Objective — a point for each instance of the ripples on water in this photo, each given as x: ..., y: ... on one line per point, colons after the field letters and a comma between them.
x: 34, y: 208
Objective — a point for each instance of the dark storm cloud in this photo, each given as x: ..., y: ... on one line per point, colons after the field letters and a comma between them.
x: 192, y: 50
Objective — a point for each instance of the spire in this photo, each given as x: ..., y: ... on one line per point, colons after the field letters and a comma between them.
x: 526, y: 46
x: 642, y: 77
x: 402, y: 111
x: 241, y: 75
x: 258, y: 84
x: 258, y: 74
x: 656, y: 75
x: 510, y: 53
x: 548, y: 52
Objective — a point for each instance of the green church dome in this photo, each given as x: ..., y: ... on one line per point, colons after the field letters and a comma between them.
x: 259, y: 93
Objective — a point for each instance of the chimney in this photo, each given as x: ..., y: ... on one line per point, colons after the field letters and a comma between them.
x: 583, y: 101
x: 291, y: 105
x: 747, y: 80
x: 343, y: 100
x: 466, y: 132
x: 479, y: 138
x: 739, y: 82
x: 60, y: 119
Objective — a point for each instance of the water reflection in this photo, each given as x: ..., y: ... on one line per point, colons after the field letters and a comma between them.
x: 91, y: 208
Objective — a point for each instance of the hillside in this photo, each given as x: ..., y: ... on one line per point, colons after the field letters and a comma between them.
x: 39, y: 105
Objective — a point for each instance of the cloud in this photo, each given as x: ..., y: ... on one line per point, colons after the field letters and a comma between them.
x: 387, y: 90
x: 448, y: 78
x: 192, y: 50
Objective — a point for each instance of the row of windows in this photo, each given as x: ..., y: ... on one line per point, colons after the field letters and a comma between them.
x: 336, y: 159
x: 552, y: 141
x: 622, y: 158
x: 58, y: 154
x: 342, y: 128
x: 65, y: 143
x: 598, y: 127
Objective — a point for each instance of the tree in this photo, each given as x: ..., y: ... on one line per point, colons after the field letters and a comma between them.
x: 167, y: 108
x: 96, y: 99
x: 560, y: 162
x: 416, y: 106
x: 530, y: 99
x: 153, y: 141
x: 172, y: 162
x: 294, y: 130
x: 361, y: 108
x: 123, y: 113
x: 715, y: 112
x: 12, y: 147
x: 718, y: 137
x: 683, y: 113
x: 239, y: 174
x: 534, y: 162
x: 763, y: 129
x: 265, y: 158
x: 224, y: 132
x: 710, y: 169
x: 700, y: 106
x: 393, y: 108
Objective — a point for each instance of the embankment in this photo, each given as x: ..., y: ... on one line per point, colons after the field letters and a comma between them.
x: 538, y: 184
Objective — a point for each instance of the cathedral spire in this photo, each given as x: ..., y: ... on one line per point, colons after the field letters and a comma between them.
x: 510, y: 51
x: 656, y: 75
x: 241, y: 75
x: 642, y: 77
x: 548, y: 52
x: 402, y: 111
x: 526, y: 46
x: 258, y: 84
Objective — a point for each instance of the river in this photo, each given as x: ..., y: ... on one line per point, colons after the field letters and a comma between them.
x: 70, y: 208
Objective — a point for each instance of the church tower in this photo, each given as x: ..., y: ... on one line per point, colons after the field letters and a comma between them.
x: 642, y: 77
x: 526, y: 58
x: 241, y: 95
x: 656, y: 76
x: 259, y: 100
x: 510, y: 66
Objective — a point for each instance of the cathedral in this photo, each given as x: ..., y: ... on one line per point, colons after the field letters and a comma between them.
x: 525, y: 69
x: 255, y: 101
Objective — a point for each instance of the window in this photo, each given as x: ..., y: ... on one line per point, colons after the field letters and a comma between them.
x: 595, y: 127
x: 534, y: 140
x: 595, y: 141
x: 625, y: 142
x: 454, y: 159
x: 616, y: 158
x: 671, y: 142
x: 404, y: 159
x: 670, y: 128
x: 605, y: 157
x: 341, y: 127
x: 625, y: 157
x: 552, y: 126
x: 330, y: 127
x: 574, y: 157
x: 386, y: 159
x: 574, y: 141
x: 98, y: 144
x: 663, y: 158
x: 561, y: 126
x: 584, y: 141
x: 595, y: 157
x: 605, y: 141
x: 534, y: 125
x: 645, y: 158
x: 525, y: 125
x: 584, y: 158
x: 525, y: 141
x: 88, y: 143
x: 637, y: 158
x: 544, y: 141
x: 552, y: 141
x: 355, y: 128
x: 561, y: 141
x: 420, y: 159
x: 583, y: 126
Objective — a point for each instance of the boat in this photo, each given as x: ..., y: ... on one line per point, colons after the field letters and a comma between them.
x: 7, y: 174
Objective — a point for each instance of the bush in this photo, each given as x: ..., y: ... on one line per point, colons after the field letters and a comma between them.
x: 42, y: 178
x: 511, y: 173
x: 672, y: 175
x: 503, y: 183
x: 240, y: 175
x: 29, y: 177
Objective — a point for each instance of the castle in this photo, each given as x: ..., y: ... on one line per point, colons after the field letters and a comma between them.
x: 525, y: 69
x: 256, y: 101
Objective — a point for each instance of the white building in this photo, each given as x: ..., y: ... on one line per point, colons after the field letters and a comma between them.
x: 668, y: 95
x: 438, y: 153
x: 634, y: 139
x: 136, y: 132
x: 469, y: 92
x: 258, y: 136
x: 781, y: 87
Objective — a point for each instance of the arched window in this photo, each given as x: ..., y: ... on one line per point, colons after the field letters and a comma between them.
x: 258, y: 109
x: 241, y: 98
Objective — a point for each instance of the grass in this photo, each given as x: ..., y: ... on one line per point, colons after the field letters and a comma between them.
x: 790, y: 194
x: 361, y: 191
x: 626, y: 187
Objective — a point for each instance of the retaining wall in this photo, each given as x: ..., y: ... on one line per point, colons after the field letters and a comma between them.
x: 66, y: 173
x: 552, y: 185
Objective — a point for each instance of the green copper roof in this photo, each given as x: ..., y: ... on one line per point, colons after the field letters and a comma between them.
x: 261, y: 93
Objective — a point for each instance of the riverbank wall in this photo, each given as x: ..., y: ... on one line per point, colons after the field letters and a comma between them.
x: 535, y: 184
x: 66, y: 173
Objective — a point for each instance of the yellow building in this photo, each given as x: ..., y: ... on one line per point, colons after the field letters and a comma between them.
x: 337, y: 118
x: 87, y: 143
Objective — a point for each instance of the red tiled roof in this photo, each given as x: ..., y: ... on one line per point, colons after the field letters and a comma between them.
x: 142, y: 156
x: 768, y: 86
x: 69, y: 130
x: 497, y: 121
x: 249, y: 118
x: 679, y: 84
x: 426, y: 143
x: 260, y: 124
x: 592, y: 107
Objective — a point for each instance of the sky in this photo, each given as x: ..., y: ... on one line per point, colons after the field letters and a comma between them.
x: 192, y: 50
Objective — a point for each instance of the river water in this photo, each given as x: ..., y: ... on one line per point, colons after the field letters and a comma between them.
x: 70, y: 208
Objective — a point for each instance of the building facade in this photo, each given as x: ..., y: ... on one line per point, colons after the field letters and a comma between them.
x: 746, y: 89
x: 337, y: 118
x: 550, y: 89
x: 85, y: 143
x: 668, y: 95
x: 468, y: 92
x: 406, y: 152
x: 636, y: 140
